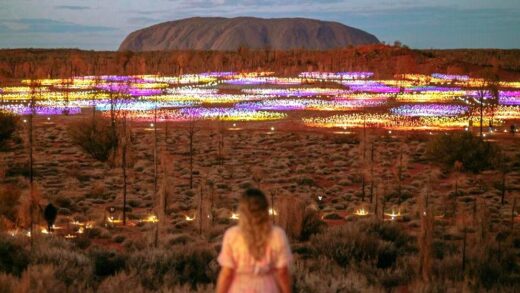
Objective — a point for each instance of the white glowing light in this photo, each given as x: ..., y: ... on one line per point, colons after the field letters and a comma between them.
x: 361, y: 212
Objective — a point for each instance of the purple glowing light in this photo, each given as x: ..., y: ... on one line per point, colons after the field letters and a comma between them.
x: 336, y: 75
x: 47, y: 111
x: 450, y: 77
x: 429, y: 110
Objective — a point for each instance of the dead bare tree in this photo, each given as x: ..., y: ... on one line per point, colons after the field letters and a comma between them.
x: 211, y: 186
x: 513, y: 211
x: 504, y: 167
x: 155, y: 146
x: 363, y: 163
x: 372, y: 154
x: 124, y: 148
x: 192, y: 130
x: 201, y: 203
x: 464, y: 243
x: 487, y: 96
x: 221, y: 143
x: 400, y: 175
x: 34, y: 87
x: 425, y: 240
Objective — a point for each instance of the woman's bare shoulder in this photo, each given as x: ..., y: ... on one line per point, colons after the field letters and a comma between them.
x: 278, y: 233
x: 232, y: 231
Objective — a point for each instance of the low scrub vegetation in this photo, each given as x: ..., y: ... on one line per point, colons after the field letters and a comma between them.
x: 474, y: 153
x: 96, y: 138
x: 8, y: 124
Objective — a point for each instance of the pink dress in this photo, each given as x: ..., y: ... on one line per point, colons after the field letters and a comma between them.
x: 252, y: 276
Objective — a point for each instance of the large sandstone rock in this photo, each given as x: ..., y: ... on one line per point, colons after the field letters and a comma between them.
x: 217, y: 33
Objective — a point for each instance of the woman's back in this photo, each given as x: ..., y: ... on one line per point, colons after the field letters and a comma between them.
x: 253, y: 275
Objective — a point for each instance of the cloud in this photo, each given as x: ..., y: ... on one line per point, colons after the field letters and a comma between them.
x: 72, y: 7
x: 43, y: 25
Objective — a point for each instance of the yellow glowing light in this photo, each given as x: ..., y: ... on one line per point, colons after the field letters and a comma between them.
x: 114, y: 221
x: 151, y: 219
x: 361, y: 212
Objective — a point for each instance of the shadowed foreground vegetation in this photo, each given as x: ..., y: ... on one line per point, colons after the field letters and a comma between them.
x: 358, y: 256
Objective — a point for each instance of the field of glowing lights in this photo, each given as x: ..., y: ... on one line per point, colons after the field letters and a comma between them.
x: 343, y: 158
x: 345, y: 100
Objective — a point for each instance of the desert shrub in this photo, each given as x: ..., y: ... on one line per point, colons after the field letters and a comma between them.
x: 323, y: 275
x: 8, y: 124
x: 121, y: 282
x: 8, y: 283
x: 19, y: 170
x: 96, y: 138
x: 306, y: 181
x: 474, y: 154
x: 441, y: 249
x: 345, y: 245
x: 152, y: 266
x: 379, y: 244
x: 14, y: 258
x: 177, y: 265
x: 9, y: 196
x: 447, y: 269
x: 41, y: 278
x: 312, y: 224
x: 193, y: 265
x: 393, y: 233
x: 346, y: 139
x: 64, y: 201
x: 492, y: 272
x: 107, y: 263
x: 67, y: 262
x: 180, y: 239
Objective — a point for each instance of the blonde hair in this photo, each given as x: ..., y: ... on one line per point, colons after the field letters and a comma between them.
x: 254, y: 221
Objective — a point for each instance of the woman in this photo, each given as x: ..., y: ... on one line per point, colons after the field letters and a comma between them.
x: 255, y: 255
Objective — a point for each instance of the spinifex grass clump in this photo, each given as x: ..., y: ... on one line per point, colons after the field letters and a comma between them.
x: 474, y: 153
x: 8, y: 124
x: 96, y: 138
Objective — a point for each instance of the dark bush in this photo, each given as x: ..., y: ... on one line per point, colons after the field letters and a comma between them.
x: 19, y: 170
x: 72, y: 267
x: 386, y: 257
x: 178, y: 265
x: 8, y: 124
x: 192, y: 266
x: 346, y: 139
x: 381, y: 243
x: 493, y: 272
x: 96, y: 138
x: 9, y: 196
x: 14, y: 259
x: 474, y: 154
x: 107, y: 263
x: 312, y: 224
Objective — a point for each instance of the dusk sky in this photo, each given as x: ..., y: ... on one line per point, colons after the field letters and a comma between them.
x: 103, y: 24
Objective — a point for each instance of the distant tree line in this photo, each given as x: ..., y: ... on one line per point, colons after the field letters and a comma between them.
x: 383, y: 60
